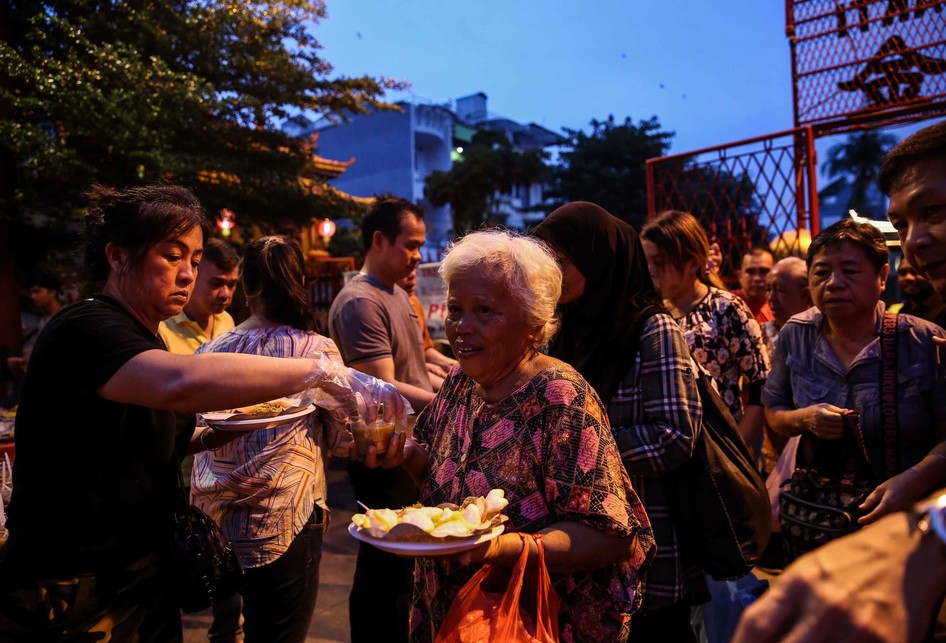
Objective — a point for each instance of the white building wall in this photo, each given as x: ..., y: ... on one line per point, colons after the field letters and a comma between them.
x: 394, y: 152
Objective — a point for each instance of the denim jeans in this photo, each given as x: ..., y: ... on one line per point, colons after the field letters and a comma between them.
x: 279, y: 598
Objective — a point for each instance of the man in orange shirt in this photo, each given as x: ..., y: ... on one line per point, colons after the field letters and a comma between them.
x: 756, y: 265
x: 438, y: 364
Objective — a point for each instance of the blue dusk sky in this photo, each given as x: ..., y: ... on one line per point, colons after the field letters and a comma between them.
x: 712, y: 71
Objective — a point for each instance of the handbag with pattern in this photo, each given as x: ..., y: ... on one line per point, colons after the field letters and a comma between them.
x: 818, y: 506
x: 815, y: 508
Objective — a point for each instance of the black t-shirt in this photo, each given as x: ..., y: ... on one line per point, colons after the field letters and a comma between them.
x: 95, y: 481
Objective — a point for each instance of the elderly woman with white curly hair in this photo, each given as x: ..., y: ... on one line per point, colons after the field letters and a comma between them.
x: 511, y: 418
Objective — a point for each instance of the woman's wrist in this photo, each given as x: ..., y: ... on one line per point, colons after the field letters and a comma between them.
x: 202, y: 439
x: 788, y: 422
x: 316, y: 375
x: 931, y: 471
x: 505, y: 550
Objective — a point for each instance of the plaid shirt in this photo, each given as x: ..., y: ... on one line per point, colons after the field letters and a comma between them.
x: 655, y: 417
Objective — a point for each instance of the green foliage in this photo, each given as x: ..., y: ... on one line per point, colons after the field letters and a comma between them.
x: 491, y: 166
x: 726, y: 203
x: 607, y: 166
x: 187, y: 91
x: 858, y: 160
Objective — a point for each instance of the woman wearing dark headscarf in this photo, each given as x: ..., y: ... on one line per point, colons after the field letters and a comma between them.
x: 616, y: 333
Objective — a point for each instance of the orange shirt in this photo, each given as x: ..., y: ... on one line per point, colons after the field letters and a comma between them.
x: 419, y: 308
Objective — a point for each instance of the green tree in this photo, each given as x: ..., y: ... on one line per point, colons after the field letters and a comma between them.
x: 136, y: 91
x: 857, y: 159
x: 490, y: 167
x: 191, y: 91
x: 724, y: 200
x: 606, y: 166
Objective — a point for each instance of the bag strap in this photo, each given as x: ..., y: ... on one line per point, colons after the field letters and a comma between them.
x: 888, y: 392
x: 510, y: 600
x: 852, y: 429
x: 182, y: 497
x: 541, y: 574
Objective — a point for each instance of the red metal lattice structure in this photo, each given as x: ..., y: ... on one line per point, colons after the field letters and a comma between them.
x: 758, y: 191
x: 866, y: 63
x: 856, y: 64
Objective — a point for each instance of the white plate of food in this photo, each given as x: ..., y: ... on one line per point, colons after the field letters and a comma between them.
x: 257, y: 416
x: 442, y: 547
x: 432, y: 531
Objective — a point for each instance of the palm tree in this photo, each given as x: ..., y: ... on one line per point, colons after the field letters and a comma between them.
x: 858, y: 159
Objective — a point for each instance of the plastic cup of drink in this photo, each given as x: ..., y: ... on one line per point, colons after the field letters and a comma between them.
x: 378, y: 434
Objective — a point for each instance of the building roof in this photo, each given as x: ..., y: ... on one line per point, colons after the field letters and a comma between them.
x: 322, y: 166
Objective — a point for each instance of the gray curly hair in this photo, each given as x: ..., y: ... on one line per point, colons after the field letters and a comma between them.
x: 526, y: 265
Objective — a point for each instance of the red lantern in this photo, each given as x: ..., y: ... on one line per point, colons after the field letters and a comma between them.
x: 326, y: 228
x: 225, y: 221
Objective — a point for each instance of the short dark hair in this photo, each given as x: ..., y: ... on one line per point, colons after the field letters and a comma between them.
x: 927, y: 144
x: 136, y: 219
x: 385, y: 216
x: 863, y: 235
x: 757, y: 251
x: 48, y: 281
x: 221, y: 254
x: 273, y: 273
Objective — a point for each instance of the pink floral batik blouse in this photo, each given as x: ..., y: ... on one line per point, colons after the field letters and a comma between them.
x: 549, y: 447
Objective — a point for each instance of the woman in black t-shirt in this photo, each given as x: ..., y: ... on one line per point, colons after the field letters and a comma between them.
x: 98, y: 438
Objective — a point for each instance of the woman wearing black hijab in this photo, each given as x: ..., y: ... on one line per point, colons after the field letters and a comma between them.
x: 616, y: 333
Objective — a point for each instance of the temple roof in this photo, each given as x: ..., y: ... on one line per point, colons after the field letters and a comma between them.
x: 322, y: 166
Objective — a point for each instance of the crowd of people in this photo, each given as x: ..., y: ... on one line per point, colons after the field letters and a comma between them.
x: 572, y: 386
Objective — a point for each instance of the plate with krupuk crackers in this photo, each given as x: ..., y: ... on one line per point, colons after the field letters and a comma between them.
x: 264, y: 415
x: 433, y: 531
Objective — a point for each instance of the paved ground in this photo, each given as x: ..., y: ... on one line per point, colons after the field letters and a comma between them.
x: 330, y: 622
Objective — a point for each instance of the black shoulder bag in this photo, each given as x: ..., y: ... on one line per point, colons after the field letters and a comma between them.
x: 818, y: 506
x: 207, y: 569
x: 718, y: 500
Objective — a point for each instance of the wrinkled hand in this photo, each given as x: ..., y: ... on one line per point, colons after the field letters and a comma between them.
x: 879, y: 584
x: 825, y: 421
x: 375, y: 392
x: 399, y: 450
x: 939, y: 341
x: 895, y: 494
x: 499, y: 548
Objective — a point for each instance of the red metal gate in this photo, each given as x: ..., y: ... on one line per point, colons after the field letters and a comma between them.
x: 866, y: 63
x: 856, y: 64
x: 758, y: 191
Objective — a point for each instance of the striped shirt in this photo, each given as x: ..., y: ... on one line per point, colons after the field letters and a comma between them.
x: 262, y: 487
x: 655, y: 418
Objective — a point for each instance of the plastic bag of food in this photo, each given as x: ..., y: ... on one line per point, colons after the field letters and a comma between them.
x: 338, y: 387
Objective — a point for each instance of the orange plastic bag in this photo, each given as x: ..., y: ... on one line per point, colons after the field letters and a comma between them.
x: 480, y: 615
